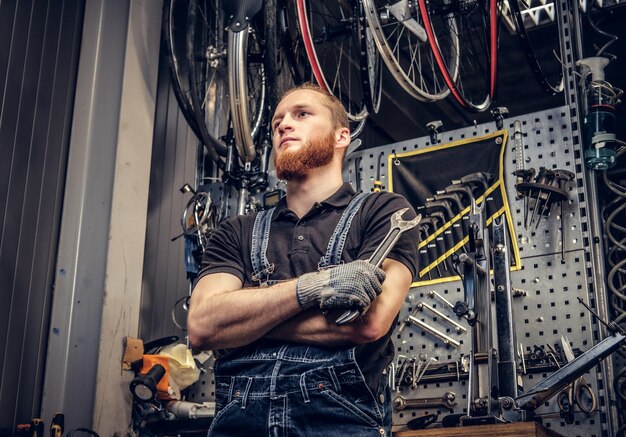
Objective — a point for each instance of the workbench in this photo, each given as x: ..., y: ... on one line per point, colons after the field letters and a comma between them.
x: 517, y: 429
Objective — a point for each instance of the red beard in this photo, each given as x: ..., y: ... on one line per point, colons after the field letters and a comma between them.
x: 295, y: 165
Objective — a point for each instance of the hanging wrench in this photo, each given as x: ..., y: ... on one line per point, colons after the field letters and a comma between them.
x: 398, y: 226
x: 437, y: 333
x: 448, y: 400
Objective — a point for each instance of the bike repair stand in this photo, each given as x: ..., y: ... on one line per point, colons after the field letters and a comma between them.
x: 482, y: 395
x: 492, y: 389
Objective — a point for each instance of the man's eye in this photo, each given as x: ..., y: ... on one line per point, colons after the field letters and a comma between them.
x: 303, y: 113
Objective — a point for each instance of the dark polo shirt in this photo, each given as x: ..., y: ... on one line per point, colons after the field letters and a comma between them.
x: 297, y: 245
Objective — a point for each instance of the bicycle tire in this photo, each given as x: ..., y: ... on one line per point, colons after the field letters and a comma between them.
x: 207, y: 125
x: 285, y: 58
x: 371, y: 64
x: 247, y: 89
x: 196, y: 79
x: 476, y: 25
x: 398, y: 32
x: 327, y: 29
x: 296, y: 60
x: 548, y: 84
x: 175, y: 67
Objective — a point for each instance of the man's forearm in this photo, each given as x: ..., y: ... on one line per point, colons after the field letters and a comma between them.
x: 232, y: 317
x: 312, y: 327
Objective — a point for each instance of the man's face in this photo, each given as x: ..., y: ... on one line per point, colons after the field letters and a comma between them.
x: 304, y: 137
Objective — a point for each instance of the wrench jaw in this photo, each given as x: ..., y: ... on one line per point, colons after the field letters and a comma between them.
x: 347, y: 317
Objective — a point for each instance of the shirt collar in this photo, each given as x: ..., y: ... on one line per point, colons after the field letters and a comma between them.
x: 338, y: 199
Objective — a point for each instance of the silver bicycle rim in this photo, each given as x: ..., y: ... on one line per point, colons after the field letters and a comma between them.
x: 386, y: 53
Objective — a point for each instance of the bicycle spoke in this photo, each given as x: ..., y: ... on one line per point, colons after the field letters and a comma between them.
x: 547, y: 70
x: 463, y: 38
x: 397, y: 29
x: 334, y: 50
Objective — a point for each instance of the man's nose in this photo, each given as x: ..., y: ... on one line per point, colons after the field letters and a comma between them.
x: 285, y: 124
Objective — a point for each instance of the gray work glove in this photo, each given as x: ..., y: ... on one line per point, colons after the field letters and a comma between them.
x: 348, y: 286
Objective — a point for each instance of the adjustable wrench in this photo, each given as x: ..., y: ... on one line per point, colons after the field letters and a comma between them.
x: 446, y: 401
x: 398, y: 226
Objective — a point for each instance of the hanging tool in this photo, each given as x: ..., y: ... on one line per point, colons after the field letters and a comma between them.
x: 443, y: 207
x: 424, y: 259
x: 455, y: 205
x: 445, y: 239
x: 520, y: 173
x: 465, y: 195
x: 448, y: 400
x: 499, y: 114
x: 457, y: 327
x: 438, y: 246
x: 548, y: 188
x: 397, y: 228
x: 459, y: 189
x: 523, y: 176
x: 433, y: 293
x: 433, y: 130
x: 447, y: 340
x: 479, y: 179
x: 518, y: 144
x: 378, y: 185
x: 420, y: 374
x: 577, y: 393
x: 433, y: 250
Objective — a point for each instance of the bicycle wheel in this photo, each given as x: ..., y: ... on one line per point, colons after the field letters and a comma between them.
x: 286, y: 63
x: 208, y: 82
x: 247, y: 89
x: 371, y: 69
x: 330, y: 31
x: 550, y: 76
x: 398, y: 31
x: 475, y: 24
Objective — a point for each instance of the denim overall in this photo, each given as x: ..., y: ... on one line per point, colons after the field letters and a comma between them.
x: 282, y: 389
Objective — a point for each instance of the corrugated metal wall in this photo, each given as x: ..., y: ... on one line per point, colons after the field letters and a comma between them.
x: 174, y: 157
x: 39, y: 47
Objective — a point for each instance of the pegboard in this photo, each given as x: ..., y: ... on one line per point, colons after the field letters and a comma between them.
x: 553, y: 274
x: 552, y: 277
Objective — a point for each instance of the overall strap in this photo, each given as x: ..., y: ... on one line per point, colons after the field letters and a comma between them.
x: 261, y: 267
x: 332, y: 257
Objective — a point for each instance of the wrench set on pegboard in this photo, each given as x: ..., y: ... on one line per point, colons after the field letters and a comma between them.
x: 429, y: 376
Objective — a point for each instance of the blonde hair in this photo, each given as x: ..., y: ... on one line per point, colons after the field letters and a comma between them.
x: 338, y: 112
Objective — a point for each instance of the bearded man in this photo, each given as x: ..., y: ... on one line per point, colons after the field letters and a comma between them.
x: 273, y: 284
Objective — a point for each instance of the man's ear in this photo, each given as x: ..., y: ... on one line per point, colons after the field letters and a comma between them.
x: 342, y: 137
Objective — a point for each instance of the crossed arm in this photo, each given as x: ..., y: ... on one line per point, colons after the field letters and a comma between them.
x: 222, y: 314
